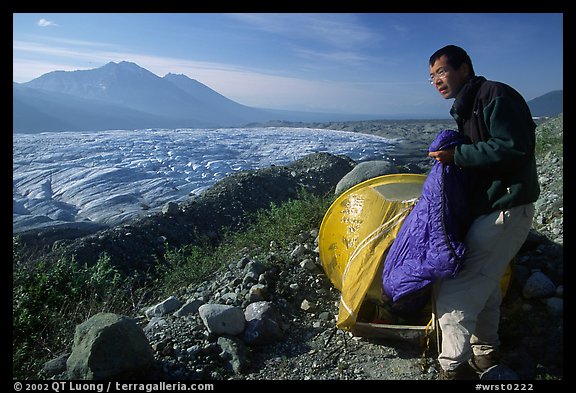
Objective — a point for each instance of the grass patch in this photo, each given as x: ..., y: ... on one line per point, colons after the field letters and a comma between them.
x: 279, y: 225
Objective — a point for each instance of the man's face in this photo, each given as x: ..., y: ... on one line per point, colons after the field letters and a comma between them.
x: 446, y: 79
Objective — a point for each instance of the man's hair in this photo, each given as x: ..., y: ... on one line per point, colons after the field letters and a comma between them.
x: 455, y: 57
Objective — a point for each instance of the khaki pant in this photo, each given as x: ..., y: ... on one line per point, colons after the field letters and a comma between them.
x: 468, y: 306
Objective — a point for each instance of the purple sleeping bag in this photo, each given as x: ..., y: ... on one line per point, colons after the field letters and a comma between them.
x: 430, y: 244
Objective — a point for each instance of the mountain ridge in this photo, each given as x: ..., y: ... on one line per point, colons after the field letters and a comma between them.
x: 124, y: 95
x: 547, y: 105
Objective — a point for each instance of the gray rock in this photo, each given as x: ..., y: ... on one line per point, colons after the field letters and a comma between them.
x: 190, y: 307
x: 165, y: 307
x: 109, y: 346
x: 261, y: 324
x: 298, y: 251
x: 255, y: 268
x: 55, y: 366
x: 222, y: 319
x: 155, y: 323
x: 538, y: 285
x: 364, y: 171
x: 170, y: 208
x: 257, y: 293
x: 234, y: 352
x: 309, y: 265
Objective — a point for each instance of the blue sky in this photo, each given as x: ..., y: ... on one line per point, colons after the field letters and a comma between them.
x: 374, y: 63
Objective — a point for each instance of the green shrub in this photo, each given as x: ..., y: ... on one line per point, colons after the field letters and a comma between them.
x: 49, y: 300
x: 185, y: 265
x: 280, y: 224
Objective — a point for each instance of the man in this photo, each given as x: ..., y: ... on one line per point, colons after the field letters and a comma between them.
x: 498, y: 122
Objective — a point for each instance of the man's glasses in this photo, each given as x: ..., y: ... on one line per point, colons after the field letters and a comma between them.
x: 441, y: 74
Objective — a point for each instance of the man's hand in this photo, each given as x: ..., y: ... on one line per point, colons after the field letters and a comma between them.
x: 444, y: 156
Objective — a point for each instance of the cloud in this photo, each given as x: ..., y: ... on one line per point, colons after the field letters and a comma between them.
x: 341, y: 57
x: 335, y: 30
x: 46, y: 23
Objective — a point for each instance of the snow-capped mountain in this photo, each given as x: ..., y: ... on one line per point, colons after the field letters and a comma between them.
x: 117, y: 94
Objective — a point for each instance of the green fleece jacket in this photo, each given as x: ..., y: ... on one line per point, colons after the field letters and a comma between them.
x: 498, y: 121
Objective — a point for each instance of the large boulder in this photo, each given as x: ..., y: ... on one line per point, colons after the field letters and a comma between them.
x: 364, y: 171
x: 109, y: 346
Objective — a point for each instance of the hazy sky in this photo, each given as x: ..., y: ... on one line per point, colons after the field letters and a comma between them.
x: 375, y: 63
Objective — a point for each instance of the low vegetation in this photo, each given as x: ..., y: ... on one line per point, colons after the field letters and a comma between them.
x: 50, y: 299
x: 550, y: 137
x: 278, y: 227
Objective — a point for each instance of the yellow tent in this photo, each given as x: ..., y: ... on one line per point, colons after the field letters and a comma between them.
x: 356, y: 232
